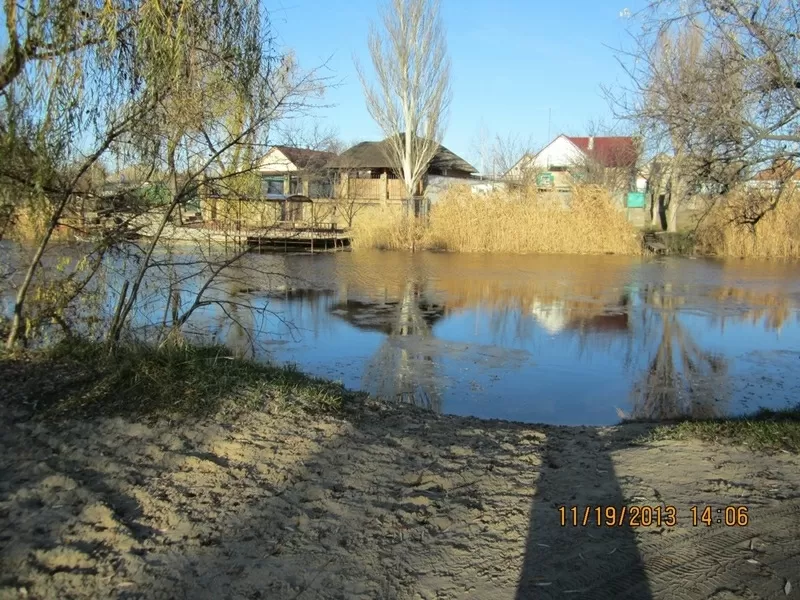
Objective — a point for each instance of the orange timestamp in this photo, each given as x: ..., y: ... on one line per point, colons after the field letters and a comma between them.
x: 650, y: 516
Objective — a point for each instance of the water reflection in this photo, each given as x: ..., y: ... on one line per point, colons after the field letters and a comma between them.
x: 681, y: 380
x: 618, y: 309
x: 405, y: 367
x: 564, y: 340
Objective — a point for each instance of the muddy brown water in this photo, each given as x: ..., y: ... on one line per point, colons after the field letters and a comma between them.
x: 571, y: 340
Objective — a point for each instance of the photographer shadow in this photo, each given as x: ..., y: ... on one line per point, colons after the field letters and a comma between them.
x: 567, y: 554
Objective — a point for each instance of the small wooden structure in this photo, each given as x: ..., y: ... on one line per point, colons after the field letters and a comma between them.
x: 296, y: 236
x: 653, y: 243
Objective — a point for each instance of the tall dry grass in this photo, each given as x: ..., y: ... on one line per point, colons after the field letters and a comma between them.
x: 521, y: 222
x: 385, y: 227
x: 26, y: 222
x: 775, y: 235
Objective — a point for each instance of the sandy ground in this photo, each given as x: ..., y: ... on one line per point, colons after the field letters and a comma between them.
x: 384, y: 503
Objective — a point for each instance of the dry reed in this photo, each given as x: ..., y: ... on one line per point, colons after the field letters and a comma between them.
x: 27, y: 224
x: 775, y: 235
x: 523, y: 223
x: 382, y: 226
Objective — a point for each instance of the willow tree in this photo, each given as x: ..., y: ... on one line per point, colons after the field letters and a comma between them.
x: 411, y: 91
x: 211, y: 135
x: 82, y: 80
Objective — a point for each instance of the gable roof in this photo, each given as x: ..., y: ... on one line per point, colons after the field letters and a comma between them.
x: 527, y: 158
x: 609, y: 152
x: 305, y: 158
x: 375, y: 155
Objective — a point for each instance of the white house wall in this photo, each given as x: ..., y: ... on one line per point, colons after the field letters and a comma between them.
x: 276, y: 162
x: 559, y: 153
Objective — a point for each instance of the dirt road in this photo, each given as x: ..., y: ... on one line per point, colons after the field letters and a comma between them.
x: 384, y: 503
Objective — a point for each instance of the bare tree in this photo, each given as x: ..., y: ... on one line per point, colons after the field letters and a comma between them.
x: 506, y: 152
x: 670, y: 90
x: 479, y: 148
x: 312, y: 135
x: 497, y: 154
x: 506, y: 157
x: 716, y: 83
x: 412, y: 91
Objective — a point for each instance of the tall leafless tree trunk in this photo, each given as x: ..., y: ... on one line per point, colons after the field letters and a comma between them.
x: 412, y: 85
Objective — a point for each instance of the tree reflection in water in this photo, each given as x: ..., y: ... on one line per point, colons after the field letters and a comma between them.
x: 405, y: 367
x: 681, y: 380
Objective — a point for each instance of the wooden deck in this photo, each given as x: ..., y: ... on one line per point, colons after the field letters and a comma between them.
x: 292, y: 236
x: 288, y: 236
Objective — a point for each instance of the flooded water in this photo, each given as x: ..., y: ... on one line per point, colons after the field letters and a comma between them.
x: 552, y: 339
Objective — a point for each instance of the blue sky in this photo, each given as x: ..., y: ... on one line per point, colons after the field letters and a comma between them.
x: 512, y: 62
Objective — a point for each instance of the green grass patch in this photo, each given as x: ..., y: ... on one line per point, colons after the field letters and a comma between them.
x: 767, y: 430
x: 81, y: 378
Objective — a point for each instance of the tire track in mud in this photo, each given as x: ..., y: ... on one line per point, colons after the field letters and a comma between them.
x: 711, y: 560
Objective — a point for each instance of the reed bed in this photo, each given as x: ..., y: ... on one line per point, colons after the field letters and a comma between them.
x: 775, y: 235
x: 382, y: 227
x: 528, y: 223
x: 27, y: 224
x: 522, y: 222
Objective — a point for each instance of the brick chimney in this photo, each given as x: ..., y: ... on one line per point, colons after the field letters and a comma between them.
x: 591, y: 142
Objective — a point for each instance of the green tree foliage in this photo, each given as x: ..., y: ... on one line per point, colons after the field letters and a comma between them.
x: 185, y: 88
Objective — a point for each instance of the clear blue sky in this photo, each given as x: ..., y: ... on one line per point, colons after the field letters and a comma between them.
x: 512, y: 61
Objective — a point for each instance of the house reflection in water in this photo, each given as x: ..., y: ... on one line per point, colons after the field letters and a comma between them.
x: 557, y: 316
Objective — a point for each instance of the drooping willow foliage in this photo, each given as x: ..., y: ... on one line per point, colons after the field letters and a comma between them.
x: 182, y: 91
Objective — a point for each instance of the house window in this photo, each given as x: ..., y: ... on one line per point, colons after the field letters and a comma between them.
x: 273, y: 185
x: 320, y: 189
x: 295, y: 185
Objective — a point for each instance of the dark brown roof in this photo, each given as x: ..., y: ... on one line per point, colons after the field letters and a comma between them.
x: 609, y: 151
x: 305, y: 158
x: 374, y: 155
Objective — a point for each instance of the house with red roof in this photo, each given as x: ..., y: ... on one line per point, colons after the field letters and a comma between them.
x: 781, y: 174
x: 606, y: 160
